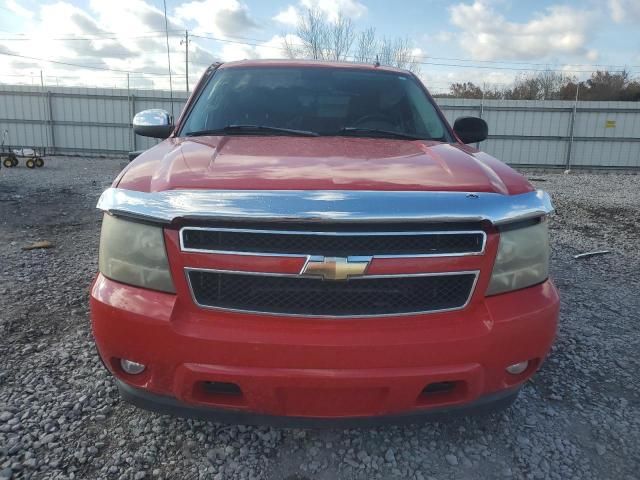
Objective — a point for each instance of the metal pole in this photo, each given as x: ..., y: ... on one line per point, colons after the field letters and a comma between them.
x: 131, y: 114
x: 166, y: 31
x: 51, y: 131
x: 481, y: 110
x: 44, y: 112
x: 186, y: 58
x: 571, y: 128
x: 131, y: 134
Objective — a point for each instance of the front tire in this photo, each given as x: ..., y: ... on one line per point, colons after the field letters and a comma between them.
x: 31, y: 163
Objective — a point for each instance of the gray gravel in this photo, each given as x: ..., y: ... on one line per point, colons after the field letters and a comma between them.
x: 60, y: 415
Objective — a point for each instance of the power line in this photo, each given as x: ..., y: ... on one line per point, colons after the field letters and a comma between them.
x: 426, y: 58
x: 70, y: 39
x: 513, y: 62
x: 256, y: 42
x: 54, y: 76
x: 422, y: 59
x: 79, y: 65
x: 95, y: 36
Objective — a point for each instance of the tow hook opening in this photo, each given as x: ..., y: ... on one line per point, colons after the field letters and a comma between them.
x: 219, y: 393
x: 221, y: 388
x: 442, y: 392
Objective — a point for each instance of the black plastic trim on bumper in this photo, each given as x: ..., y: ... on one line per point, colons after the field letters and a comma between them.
x: 169, y: 405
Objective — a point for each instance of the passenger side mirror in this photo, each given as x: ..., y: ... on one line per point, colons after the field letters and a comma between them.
x: 471, y: 129
x: 156, y: 123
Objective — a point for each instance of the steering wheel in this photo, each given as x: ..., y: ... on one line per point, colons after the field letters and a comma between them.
x: 373, y: 117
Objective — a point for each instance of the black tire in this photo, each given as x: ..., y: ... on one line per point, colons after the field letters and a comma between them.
x: 31, y: 163
x: 7, y: 162
x: 39, y: 162
x: 14, y: 159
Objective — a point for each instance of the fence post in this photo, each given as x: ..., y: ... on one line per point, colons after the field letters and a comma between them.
x: 132, y: 112
x: 43, y: 106
x: 481, y: 112
x: 50, y: 122
x: 567, y: 166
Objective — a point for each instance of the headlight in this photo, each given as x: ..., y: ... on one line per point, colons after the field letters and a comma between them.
x: 134, y: 253
x: 522, y: 260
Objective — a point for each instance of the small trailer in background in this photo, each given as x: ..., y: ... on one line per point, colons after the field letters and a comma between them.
x: 10, y: 154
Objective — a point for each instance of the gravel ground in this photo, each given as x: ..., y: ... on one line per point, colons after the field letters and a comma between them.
x: 60, y: 415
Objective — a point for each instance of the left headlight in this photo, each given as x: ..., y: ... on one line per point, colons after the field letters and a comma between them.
x: 522, y: 259
x: 134, y: 253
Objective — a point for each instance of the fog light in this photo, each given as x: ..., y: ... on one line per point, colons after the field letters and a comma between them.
x: 518, y: 368
x: 132, y: 368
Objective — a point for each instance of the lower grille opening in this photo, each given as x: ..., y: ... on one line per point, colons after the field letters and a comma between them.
x: 316, y: 297
x: 221, y: 388
x: 439, y: 388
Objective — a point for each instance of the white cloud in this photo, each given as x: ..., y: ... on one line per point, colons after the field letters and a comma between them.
x: 288, y: 16
x: 272, y: 48
x: 222, y: 17
x: 330, y: 8
x: 18, y: 9
x: 134, y: 42
x: 625, y: 10
x: 487, y: 35
x: 333, y: 8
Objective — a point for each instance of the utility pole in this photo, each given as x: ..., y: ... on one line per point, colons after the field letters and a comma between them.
x: 185, y: 42
x: 166, y: 31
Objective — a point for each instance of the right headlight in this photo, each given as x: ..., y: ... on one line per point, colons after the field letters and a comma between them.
x: 522, y: 260
x: 134, y: 253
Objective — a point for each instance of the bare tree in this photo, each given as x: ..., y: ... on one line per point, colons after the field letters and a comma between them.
x: 398, y: 53
x: 471, y: 90
x: 551, y: 82
x: 322, y: 39
x: 465, y: 90
x: 367, y: 46
x: 291, y: 49
x: 340, y: 38
x: 313, y: 31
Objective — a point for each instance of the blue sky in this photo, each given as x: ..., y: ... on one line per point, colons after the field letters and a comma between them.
x: 484, y: 41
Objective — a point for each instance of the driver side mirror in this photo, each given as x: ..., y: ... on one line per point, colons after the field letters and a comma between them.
x: 471, y: 129
x: 155, y: 123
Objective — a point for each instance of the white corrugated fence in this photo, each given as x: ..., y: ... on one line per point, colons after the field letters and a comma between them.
x: 85, y: 121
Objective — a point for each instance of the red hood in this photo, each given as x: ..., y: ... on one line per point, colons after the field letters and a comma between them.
x: 322, y: 163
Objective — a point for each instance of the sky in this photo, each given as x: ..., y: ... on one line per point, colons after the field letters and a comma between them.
x: 108, y: 43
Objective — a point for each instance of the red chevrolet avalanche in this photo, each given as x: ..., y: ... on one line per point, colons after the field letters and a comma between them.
x: 313, y: 243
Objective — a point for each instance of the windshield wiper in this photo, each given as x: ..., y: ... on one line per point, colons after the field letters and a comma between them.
x: 377, y: 133
x: 230, y: 129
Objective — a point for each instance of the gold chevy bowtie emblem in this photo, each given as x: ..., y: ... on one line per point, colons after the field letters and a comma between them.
x: 335, y: 268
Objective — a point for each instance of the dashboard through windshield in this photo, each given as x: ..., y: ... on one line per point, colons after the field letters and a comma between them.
x: 315, y: 101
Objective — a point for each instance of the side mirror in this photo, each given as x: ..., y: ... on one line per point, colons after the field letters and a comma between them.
x: 156, y: 123
x: 471, y: 129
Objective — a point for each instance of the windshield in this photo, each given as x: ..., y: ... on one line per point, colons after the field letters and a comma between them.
x: 323, y: 101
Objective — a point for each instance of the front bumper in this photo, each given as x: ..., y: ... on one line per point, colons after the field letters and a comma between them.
x: 171, y: 406
x: 333, y: 370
